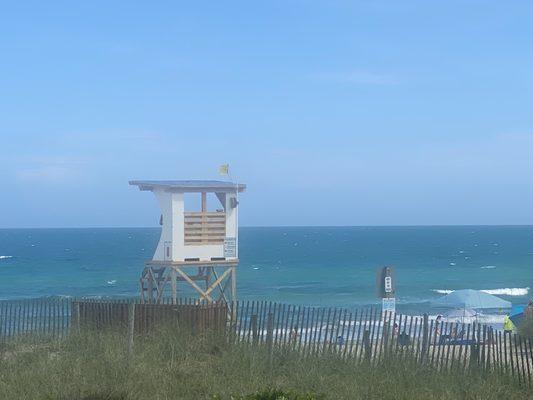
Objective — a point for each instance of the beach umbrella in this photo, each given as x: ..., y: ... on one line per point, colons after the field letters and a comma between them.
x: 517, y: 314
x: 473, y: 299
x: 460, y: 313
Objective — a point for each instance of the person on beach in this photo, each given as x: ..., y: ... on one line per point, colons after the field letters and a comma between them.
x: 508, y: 326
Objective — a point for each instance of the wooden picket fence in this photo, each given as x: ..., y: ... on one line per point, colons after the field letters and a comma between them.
x: 365, y: 335
x: 50, y: 317
x: 142, y: 318
x: 369, y: 335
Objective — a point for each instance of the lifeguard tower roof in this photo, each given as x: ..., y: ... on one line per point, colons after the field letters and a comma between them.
x: 190, y: 186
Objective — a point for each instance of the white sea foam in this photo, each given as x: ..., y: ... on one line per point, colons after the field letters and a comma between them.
x: 442, y: 291
x: 452, y: 264
x: 501, y: 291
x: 5, y: 257
x: 488, y: 267
x: 508, y: 291
x: 112, y: 282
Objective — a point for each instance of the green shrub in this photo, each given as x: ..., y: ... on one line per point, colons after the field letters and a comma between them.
x: 525, y: 328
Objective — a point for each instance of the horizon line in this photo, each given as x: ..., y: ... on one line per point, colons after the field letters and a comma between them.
x: 284, y: 226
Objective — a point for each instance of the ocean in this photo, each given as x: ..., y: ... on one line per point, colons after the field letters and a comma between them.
x: 322, y: 266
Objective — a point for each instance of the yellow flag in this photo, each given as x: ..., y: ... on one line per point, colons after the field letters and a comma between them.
x: 223, y: 169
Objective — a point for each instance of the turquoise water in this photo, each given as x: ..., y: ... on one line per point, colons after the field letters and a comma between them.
x: 304, y: 265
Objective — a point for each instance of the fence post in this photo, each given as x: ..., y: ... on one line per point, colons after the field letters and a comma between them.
x: 366, y: 344
x: 474, y: 348
x: 425, y: 338
x: 253, y: 322
x: 270, y: 335
x: 131, y: 325
x: 76, y: 315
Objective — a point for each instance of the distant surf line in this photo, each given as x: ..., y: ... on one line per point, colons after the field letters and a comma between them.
x: 500, y: 291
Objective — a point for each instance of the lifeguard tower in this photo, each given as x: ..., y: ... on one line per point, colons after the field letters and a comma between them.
x: 198, y: 248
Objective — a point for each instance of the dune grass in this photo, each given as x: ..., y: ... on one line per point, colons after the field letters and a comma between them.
x: 177, y: 365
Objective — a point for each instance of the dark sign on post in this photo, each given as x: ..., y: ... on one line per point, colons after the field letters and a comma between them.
x: 386, y: 288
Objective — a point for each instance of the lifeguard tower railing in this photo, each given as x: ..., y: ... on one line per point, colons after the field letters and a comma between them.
x: 203, y: 228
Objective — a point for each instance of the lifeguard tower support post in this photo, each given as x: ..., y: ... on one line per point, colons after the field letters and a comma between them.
x: 197, y: 248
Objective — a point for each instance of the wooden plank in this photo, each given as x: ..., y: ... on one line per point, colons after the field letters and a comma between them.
x: 253, y: 328
x: 373, y: 334
x: 269, y: 339
x: 317, y: 336
x: 517, y: 357
x: 324, y: 340
x: 416, y: 339
x: 362, y: 321
x: 346, y: 335
x: 411, y: 340
x: 303, y: 322
x: 131, y: 326
x: 507, y: 344
x: 451, y: 355
x: 293, y: 335
x: 443, y: 330
x: 396, y: 343
x: 425, y: 338
x: 353, y: 324
x: 529, y: 356
x: 2, y: 319
x: 493, y: 350
x: 262, y: 321
x: 249, y: 323
x: 279, y: 324
x: 483, y: 348
x: 385, y: 333
x: 193, y: 284
x: 489, y: 351
x: 242, y: 327
x: 342, y: 344
x: 333, y: 327
x: 366, y: 345
x: 469, y: 327
x: 431, y: 343
x: 522, y: 360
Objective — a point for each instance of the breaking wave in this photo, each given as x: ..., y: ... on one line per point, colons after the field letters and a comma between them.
x: 501, y: 291
x: 4, y: 257
x: 509, y: 291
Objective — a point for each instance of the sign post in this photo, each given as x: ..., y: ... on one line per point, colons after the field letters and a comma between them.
x: 386, y: 289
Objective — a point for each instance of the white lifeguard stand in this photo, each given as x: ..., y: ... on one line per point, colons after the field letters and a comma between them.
x: 197, y: 248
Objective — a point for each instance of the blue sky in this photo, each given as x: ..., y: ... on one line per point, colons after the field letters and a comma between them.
x: 333, y: 112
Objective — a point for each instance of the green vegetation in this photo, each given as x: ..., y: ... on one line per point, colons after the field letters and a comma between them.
x: 169, y: 365
x: 525, y: 329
